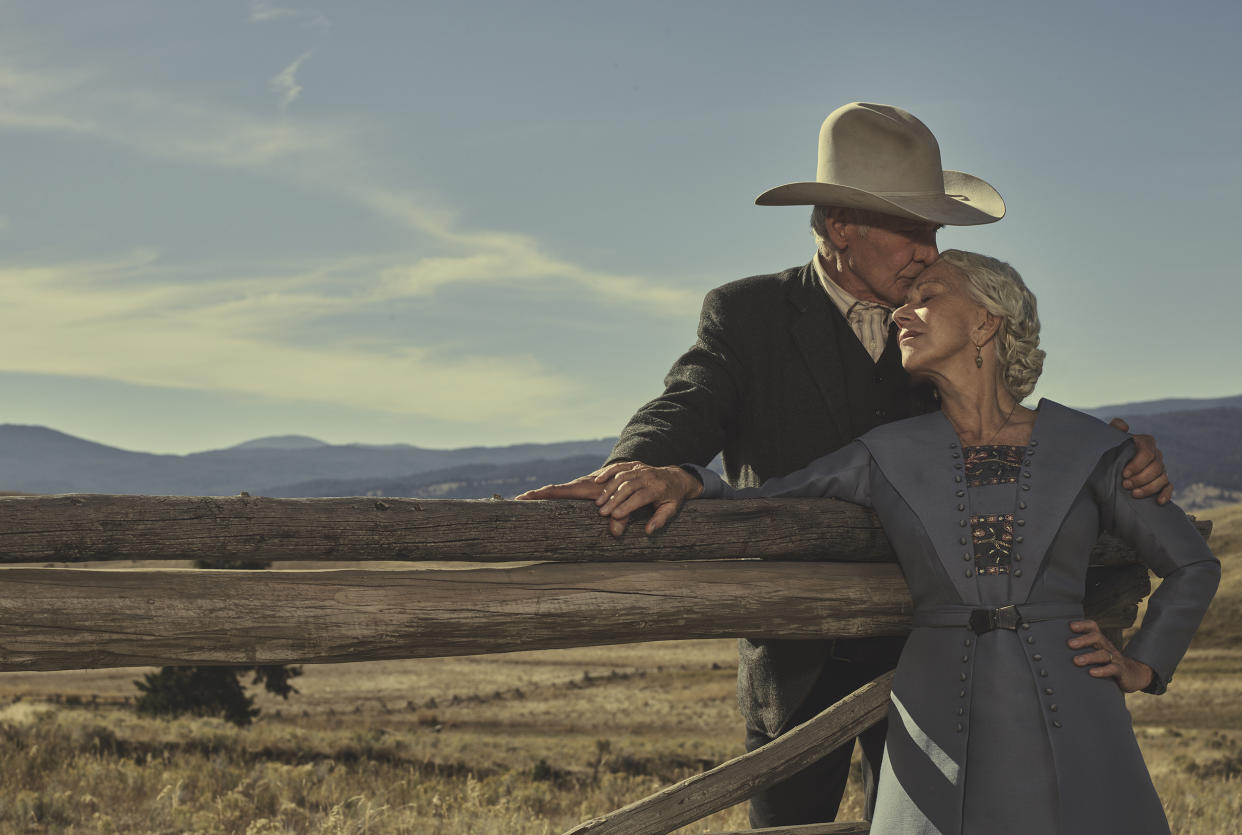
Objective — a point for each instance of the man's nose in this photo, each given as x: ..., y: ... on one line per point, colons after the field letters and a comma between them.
x: 926, y: 252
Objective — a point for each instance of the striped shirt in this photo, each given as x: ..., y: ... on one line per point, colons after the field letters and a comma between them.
x: 869, y: 321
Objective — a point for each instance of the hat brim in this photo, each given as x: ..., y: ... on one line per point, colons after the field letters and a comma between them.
x: 967, y: 201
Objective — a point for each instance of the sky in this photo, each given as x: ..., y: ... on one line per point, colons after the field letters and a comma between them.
x: 484, y: 223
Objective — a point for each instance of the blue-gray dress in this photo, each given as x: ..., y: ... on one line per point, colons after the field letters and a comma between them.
x: 1000, y: 731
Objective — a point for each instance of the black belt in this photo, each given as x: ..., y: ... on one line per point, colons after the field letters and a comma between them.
x: 1009, y: 616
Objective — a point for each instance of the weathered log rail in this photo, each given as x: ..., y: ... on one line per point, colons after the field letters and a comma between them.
x: 763, y: 568
x: 596, y: 589
x: 90, y: 528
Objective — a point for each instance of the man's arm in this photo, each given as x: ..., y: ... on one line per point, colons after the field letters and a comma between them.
x: 689, y: 422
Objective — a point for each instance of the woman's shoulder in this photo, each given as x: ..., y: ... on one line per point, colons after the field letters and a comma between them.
x: 1059, y: 424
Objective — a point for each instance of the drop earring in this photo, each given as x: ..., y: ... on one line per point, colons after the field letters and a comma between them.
x: 978, y: 356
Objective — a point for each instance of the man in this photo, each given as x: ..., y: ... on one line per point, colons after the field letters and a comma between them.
x: 794, y: 365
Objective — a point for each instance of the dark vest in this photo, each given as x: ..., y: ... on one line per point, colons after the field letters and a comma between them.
x: 879, y: 392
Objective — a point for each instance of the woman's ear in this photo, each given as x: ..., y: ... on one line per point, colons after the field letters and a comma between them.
x: 988, y: 328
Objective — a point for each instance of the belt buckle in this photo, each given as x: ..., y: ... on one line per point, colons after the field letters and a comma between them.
x: 1002, y: 617
x: 1006, y: 617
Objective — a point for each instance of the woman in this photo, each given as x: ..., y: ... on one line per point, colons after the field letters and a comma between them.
x: 1007, y: 711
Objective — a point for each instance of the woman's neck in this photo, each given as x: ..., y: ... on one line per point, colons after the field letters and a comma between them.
x: 985, y: 413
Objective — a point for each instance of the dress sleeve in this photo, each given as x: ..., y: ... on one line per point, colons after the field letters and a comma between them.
x: 702, y: 396
x: 1170, y: 546
x: 844, y: 474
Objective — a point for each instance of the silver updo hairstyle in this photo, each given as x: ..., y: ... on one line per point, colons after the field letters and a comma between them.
x: 1000, y: 290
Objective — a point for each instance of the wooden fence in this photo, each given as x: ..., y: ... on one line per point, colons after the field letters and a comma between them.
x: 723, y: 569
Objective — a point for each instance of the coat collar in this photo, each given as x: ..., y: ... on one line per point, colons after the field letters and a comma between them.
x: 923, y: 460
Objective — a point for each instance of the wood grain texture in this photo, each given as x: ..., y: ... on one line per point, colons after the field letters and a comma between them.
x: 85, y: 527
x: 64, y: 618
x: 739, y: 778
x: 82, y: 527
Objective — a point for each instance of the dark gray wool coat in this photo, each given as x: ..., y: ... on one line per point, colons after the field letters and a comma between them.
x: 1059, y: 727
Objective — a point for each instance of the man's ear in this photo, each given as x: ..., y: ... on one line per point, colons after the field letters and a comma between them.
x: 839, y: 232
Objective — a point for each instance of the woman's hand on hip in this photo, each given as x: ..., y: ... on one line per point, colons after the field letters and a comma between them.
x: 1104, y: 660
x: 628, y: 486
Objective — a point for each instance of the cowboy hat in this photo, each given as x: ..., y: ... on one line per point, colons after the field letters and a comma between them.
x: 882, y: 159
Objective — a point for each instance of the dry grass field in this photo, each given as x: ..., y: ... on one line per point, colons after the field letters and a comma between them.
x: 518, y: 743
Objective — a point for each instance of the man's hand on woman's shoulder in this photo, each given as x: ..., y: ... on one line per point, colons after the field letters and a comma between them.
x: 1145, y: 475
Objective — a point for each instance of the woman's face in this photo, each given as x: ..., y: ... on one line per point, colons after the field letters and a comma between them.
x: 940, y: 324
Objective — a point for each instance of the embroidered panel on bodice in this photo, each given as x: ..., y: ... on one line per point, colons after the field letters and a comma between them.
x: 992, y: 533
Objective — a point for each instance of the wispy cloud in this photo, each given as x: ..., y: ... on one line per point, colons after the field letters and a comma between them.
x: 104, y: 318
x: 93, y: 318
x: 262, y: 11
x: 285, y: 83
x: 322, y: 156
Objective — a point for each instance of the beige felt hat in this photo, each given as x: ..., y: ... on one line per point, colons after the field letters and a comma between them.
x: 880, y: 158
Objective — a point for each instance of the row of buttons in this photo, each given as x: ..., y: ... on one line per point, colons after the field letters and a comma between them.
x: 961, y: 694
x: 1043, y: 673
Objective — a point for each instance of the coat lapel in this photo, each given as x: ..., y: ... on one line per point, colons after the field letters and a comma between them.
x: 923, y: 461
x: 816, y: 325
x: 1052, y: 475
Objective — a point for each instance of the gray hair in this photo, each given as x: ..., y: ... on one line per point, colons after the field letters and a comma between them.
x: 1000, y: 289
x: 820, y: 215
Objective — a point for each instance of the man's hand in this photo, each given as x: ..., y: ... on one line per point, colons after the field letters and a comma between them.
x: 629, y: 486
x: 1144, y: 476
x: 623, y: 487
x: 583, y: 487
x: 1131, y: 675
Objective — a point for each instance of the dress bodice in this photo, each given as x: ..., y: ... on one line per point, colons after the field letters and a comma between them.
x: 992, y: 484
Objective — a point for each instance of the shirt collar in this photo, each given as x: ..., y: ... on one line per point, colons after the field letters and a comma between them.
x: 843, y: 300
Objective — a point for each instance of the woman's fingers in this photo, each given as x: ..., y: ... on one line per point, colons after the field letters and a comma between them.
x: 1100, y: 657
x: 1101, y: 650
x: 1104, y: 660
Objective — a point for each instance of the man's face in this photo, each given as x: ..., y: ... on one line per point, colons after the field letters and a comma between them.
x: 883, y: 260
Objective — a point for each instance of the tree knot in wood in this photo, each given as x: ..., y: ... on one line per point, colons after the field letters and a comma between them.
x: 381, y: 505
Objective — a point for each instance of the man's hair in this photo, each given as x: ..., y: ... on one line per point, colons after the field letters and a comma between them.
x: 820, y: 215
x: 1000, y: 289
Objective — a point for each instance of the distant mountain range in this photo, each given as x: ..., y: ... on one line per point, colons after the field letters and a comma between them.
x: 35, y: 459
x: 1201, y: 439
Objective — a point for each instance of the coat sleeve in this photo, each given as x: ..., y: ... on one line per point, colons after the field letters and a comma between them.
x: 844, y: 474
x: 702, y: 397
x: 1170, y: 546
